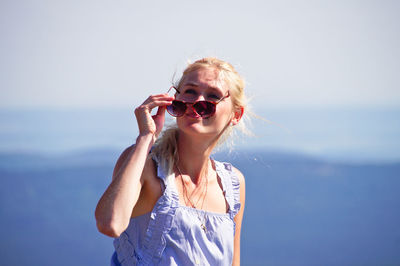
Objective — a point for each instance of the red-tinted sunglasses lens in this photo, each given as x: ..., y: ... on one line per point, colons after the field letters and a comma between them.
x: 204, y: 108
x: 177, y: 108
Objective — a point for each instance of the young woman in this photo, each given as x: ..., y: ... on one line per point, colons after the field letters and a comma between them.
x: 169, y: 202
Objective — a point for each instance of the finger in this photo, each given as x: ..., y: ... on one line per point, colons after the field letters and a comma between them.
x: 159, y: 97
x: 160, y: 113
x: 158, y: 103
x: 161, y: 110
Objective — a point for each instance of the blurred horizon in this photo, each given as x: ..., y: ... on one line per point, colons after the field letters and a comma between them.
x: 332, y: 133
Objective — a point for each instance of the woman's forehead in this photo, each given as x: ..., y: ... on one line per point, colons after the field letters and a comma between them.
x: 208, y: 77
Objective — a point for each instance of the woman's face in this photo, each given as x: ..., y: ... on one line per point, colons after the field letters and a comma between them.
x: 205, y: 84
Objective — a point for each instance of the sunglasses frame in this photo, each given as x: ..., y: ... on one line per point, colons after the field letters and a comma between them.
x: 191, y: 104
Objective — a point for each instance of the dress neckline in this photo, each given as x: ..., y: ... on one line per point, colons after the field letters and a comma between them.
x: 221, y: 182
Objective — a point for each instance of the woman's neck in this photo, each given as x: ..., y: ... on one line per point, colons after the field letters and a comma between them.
x: 194, y: 156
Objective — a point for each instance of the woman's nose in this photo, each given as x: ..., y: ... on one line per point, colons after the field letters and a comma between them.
x: 190, y: 111
x: 199, y: 97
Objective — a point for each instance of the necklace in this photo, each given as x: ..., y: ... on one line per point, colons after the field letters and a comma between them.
x: 185, y: 196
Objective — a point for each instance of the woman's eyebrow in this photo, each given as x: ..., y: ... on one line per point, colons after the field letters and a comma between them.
x: 193, y: 84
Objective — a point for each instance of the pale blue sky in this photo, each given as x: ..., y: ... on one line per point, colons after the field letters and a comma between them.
x: 115, y: 53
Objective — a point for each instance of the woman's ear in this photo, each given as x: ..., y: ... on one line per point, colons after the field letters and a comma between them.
x: 237, y: 115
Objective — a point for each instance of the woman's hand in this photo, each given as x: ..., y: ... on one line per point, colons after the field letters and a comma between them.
x: 147, y: 123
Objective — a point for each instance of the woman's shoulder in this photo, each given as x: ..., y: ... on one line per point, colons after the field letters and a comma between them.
x: 149, y: 167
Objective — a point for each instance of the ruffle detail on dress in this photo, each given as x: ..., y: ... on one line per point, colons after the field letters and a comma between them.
x: 231, y: 186
x: 125, y: 250
x: 160, y: 223
x: 160, y: 169
x: 236, y: 193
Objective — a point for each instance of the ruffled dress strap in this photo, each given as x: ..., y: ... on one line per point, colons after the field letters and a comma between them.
x: 231, y: 186
x: 129, y: 252
x: 161, y: 219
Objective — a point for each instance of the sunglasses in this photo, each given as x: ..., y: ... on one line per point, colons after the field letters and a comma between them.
x: 202, y: 109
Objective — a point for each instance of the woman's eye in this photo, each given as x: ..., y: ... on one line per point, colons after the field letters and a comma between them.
x: 214, y: 97
x: 190, y: 91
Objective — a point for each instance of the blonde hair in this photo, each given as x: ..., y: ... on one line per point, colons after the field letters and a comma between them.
x: 165, y: 148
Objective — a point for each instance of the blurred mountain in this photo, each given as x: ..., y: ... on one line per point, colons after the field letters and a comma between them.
x: 299, y: 210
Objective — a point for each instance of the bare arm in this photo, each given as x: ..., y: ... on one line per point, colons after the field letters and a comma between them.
x: 114, y: 209
x: 238, y: 220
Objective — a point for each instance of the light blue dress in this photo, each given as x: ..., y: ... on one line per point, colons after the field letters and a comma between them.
x: 171, y: 234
